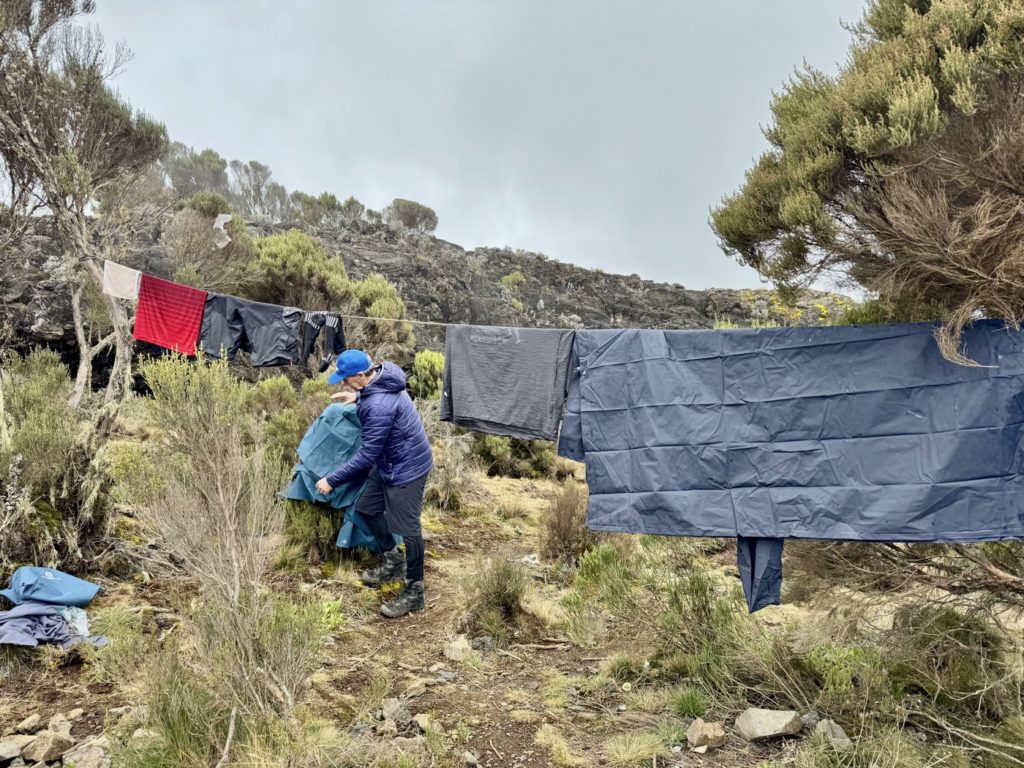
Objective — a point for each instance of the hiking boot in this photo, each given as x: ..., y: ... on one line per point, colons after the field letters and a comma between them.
x: 391, y: 568
x: 410, y: 601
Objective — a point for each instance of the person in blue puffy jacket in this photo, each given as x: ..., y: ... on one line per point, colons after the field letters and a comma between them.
x: 395, y: 459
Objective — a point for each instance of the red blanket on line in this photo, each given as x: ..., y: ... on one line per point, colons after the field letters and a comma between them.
x: 169, y: 314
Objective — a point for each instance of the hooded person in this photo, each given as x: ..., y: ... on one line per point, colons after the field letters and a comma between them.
x: 395, y: 459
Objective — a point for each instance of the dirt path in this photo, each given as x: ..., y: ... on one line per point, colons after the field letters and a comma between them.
x: 498, y: 699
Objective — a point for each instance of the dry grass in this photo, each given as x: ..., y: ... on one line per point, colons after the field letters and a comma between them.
x: 634, y: 749
x: 564, y: 534
x: 494, y: 597
x: 559, y: 751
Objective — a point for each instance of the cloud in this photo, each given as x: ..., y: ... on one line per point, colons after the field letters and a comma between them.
x: 597, y: 132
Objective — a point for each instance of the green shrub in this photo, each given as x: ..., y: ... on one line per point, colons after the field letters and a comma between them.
x: 312, y: 530
x: 193, y: 399
x: 512, y: 457
x: 880, y: 311
x: 210, y: 204
x: 427, y: 371
x: 689, y: 701
x: 292, y: 268
x: 136, y: 479
x: 188, y: 720
x: 840, y: 670
x: 128, y: 648
x: 495, y: 596
x: 272, y: 395
x: 53, y: 489
x: 411, y: 215
x: 671, y: 732
x: 42, y: 424
x: 513, y: 281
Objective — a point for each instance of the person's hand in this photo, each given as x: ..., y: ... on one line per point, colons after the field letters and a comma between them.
x: 345, y: 397
x: 323, y: 486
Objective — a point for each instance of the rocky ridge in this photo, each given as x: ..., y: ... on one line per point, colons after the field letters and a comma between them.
x: 438, y: 280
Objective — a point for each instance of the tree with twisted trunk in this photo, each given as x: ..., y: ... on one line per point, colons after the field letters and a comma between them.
x: 65, y: 139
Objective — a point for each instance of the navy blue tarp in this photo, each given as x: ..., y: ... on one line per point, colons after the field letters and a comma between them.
x: 857, y: 433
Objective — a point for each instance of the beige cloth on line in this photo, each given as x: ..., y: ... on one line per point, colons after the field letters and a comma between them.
x: 120, y: 281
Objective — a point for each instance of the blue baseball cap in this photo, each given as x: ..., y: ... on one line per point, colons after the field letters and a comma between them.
x: 350, y: 362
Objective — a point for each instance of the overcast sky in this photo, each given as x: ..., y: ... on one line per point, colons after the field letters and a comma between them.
x: 598, y: 132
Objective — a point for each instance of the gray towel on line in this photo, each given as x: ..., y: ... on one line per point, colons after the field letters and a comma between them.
x: 506, y: 381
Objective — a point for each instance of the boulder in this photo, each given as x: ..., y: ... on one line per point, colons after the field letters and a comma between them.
x: 47, y: 746
x: 759, y: 724
x: 704, y: 734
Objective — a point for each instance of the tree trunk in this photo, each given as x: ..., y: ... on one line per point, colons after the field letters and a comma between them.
x: 74, y: 230
x: 87, y: 352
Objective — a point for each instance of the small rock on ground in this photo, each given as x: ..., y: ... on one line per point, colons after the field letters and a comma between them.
x: 809, y: 720
x: 92, y: 754
x: 483, y: 643
x: 758, y: 724
x: 704, y: 734
x: 426, y: 723
x: 21, y: 740
x: 9, y: 750
x: 30, y: 724
x: 394, y: 709
x: 417, y: 687
x: 75, y: 714
x: 142, y: 735
x: 458, y: 649
x: 59, y: 724
x: 834, y: 734
x: 387, y: 728
x: 470, y: 758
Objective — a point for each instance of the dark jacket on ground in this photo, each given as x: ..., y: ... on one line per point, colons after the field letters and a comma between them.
x: 393, y: 436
